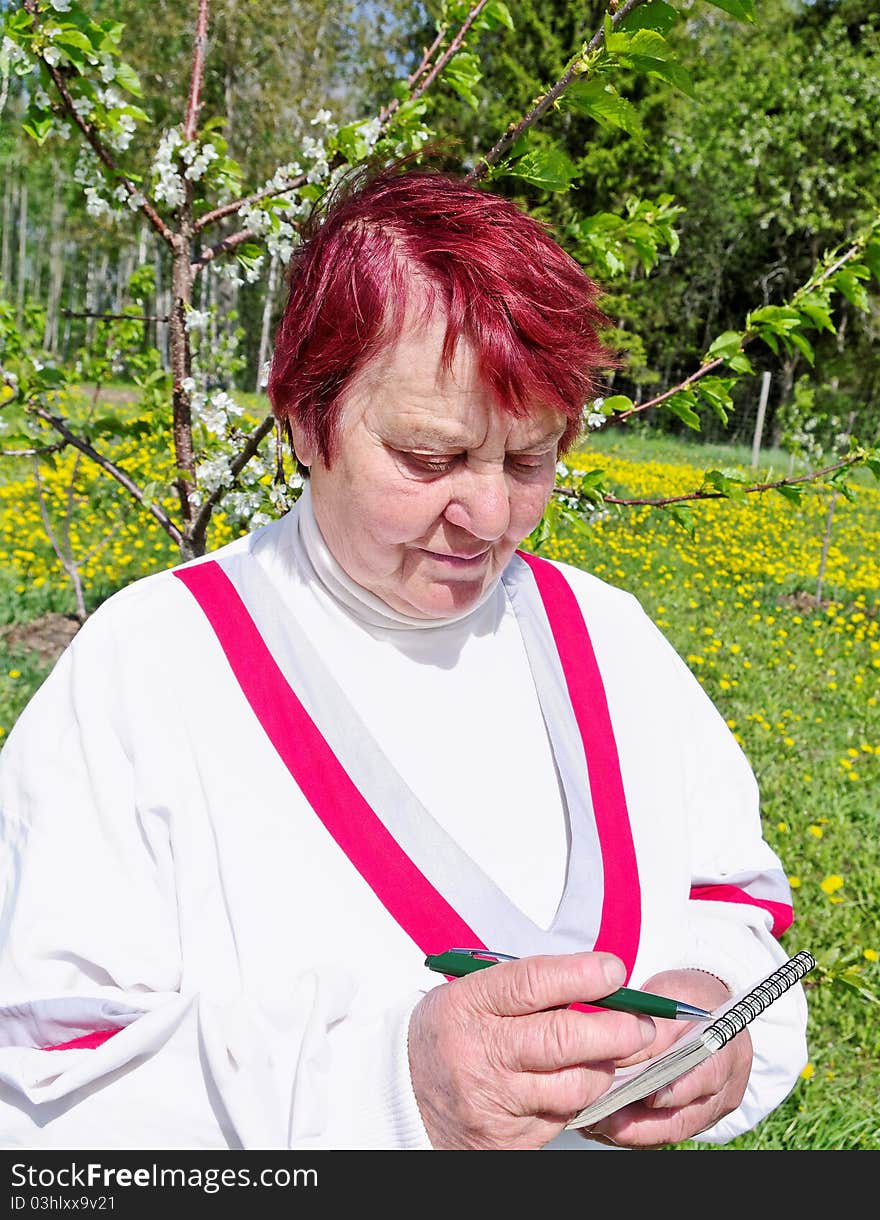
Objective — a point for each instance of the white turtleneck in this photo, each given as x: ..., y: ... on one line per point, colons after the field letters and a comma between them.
x: 483, y: 778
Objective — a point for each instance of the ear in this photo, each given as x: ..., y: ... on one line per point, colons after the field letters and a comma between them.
x: 304, y: 445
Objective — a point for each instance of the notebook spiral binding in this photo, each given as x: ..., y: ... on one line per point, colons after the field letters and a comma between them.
x: 752, y: 1005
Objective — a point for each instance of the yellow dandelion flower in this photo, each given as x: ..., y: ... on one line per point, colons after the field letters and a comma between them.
x: 816, y: 831
x: 794, y: 882
x: 831, y: 884
x: 808, y: 1073
x: 871, y: 955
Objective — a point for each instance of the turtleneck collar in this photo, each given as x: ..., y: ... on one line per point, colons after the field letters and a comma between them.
x: 357, y: 600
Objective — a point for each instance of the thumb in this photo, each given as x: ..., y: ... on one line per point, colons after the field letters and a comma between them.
x: 535, y: 984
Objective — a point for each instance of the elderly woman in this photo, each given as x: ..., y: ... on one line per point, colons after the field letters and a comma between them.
x: 258, y: 789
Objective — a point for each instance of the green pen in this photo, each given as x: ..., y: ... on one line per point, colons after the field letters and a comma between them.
x: 458, y: 962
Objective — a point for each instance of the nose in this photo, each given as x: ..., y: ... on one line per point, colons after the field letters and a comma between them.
x: 480, y: 502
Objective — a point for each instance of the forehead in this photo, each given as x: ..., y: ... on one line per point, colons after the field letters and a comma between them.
x: 408, y: 395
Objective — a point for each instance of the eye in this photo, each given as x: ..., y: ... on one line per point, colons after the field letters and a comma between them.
x: 527, y: 463
x: 431, y: 463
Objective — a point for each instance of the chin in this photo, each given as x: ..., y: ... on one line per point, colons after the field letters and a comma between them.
x: 442, y: 601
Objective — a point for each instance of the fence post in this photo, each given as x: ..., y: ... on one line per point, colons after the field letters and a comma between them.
x: 759, y: 422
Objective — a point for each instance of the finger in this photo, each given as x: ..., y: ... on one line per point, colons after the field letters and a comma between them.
x: 558, y: 1095
x: 562, y: 1038
x: 534, y: 984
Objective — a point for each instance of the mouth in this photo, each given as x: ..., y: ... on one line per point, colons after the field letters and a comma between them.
x: 460, y: 561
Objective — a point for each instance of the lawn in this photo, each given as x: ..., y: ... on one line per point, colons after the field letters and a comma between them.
x: 798, y: 680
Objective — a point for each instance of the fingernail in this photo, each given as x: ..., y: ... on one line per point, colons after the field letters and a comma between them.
x: 614, y: 971
x: 662, y: 1098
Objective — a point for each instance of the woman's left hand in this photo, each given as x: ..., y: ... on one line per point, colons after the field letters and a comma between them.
x: 697, y: 1100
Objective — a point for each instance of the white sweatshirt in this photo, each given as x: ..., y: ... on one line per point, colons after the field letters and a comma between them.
x: 164, y: 876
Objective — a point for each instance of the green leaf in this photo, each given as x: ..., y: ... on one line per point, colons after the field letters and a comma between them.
x: 19, y: 21
x: 873, y: 465
x: 793, y: 493
x: 780, y: 317
x: 70, y: 36
x: 128, y: 78
x: 549, y: 168
x: 682, y: 516
x: 872, y: 256
x: 602, y: 103
x: 740, y: 363
x: 681, y: 405
x: 673, y: 74
x: 770, y: 339
x: 726, y: 345
x: 463, y: 74
x: 655, y: 15
x: 743, y: 10
x: 817, y: 314
x: 497, y: 13
x: 617, y: 402
x: 802, y: 345
x: 38, y: 129
x: 847, y: 282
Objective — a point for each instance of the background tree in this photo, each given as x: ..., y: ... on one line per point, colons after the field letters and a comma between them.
x: 596, y: 126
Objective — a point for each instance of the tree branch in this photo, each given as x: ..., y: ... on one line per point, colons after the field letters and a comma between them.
x: 814, y: 282
x: 228, y: 209
x: 197, y: 73
x: 543, y: 104
x: 110, y: 317
x: 147, y: 207
x: 814, y: 477
x: 221, y: 248
x: 235, y: 468
x: 113, y: 470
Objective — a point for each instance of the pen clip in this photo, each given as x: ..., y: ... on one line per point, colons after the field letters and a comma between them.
x: 485, y: 954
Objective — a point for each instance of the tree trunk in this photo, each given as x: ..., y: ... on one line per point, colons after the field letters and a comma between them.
x: 268, y: 306
x: 89, y: 306
x: 56, y: 276
x: 22, y: 251
x: 6, y: 251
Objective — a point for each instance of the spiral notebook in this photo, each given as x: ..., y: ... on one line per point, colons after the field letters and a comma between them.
x: 633, y: 1083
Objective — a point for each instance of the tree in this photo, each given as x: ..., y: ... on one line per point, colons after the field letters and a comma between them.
x: 216, y: 223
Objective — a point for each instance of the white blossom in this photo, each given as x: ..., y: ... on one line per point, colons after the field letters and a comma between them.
x: 323, y: 117
x: 257, y: 219
x: 253, y: 270
x: 197, y: 159
x: 595, y: 419
x: 52, y: 56
x: 196, y: 320
x: 214, y: 473
x: 167, y: 182
x: 13, y: 52
x: 370, y: 131
x: 60, y: 6
x: 96, y: 204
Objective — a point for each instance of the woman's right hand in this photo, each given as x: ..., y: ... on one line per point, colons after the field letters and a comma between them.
x: 499, y: 1060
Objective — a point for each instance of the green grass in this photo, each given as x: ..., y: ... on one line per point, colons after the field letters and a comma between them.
x: 799, y: 684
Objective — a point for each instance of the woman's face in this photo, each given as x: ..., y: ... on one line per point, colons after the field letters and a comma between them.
x: 432, y: 488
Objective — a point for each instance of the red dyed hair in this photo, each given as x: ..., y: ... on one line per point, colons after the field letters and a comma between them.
x: 503, y: 283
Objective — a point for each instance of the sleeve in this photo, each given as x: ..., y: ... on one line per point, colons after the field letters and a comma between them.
x: 740, y: 902
x: 104, y: 1041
